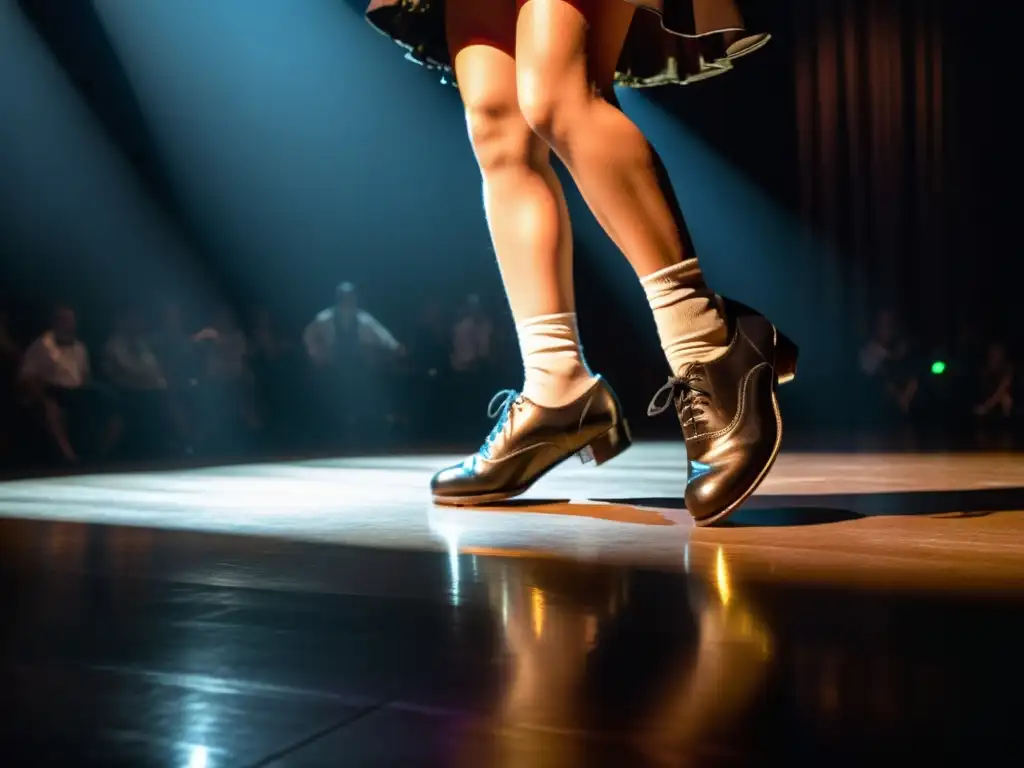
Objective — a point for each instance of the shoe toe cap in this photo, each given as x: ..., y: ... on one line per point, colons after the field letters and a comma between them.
x: 714, y: 492
x: 708, y: 495
x: 455, y: 480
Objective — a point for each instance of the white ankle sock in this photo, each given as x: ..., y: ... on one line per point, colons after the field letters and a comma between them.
x: 556, y: 373
x: 688, y: 315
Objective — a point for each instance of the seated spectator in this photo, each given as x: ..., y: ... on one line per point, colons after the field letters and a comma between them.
x: 129, y: 360
x: 996, y: 384
x: 56, y: 372
x: 226, y: 349
x: 885, y: 359
x: 130, y: 364
x: 180, y: 361
x: 962, y: 357
x: 227, y: 375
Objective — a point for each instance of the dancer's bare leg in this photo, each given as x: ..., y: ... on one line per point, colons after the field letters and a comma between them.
x: 566, y: 53
x: 523, y: 200
x: 564, y: 409
x: 723, y: 392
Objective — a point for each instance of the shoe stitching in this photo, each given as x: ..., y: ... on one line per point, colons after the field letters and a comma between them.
x: 741, y: 407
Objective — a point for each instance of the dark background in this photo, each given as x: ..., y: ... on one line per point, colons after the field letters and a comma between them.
x: 260, y: 151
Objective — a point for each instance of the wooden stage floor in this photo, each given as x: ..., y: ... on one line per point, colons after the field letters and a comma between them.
x: 941, y: 520
x: 864, y: 608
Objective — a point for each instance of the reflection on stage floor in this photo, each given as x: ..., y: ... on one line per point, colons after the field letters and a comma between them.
x: 323, y: 613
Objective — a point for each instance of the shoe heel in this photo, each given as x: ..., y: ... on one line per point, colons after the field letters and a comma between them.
x: 786, y: 354
x: 607, y: 446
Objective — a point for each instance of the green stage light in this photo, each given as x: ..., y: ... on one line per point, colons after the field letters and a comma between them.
x: 938, y: 368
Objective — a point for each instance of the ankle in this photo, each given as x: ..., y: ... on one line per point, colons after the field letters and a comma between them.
x: 556, y: 389
x: 555, y: 372
x: 689, y: 316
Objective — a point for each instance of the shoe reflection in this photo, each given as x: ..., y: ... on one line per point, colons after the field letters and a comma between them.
x: 550, y: 622
x: 698, y: 711
x: 589, y: 683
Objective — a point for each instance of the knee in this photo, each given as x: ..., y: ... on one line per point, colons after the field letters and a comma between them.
x: 500, y: 137
x: 551, y: 111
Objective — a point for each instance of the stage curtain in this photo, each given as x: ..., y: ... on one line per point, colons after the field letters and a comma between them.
x: 872, y: 109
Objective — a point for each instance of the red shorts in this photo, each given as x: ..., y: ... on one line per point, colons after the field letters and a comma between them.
x: 669, y: 41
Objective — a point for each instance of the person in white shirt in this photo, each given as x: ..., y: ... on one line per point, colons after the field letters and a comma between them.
x: 57, y: 359
x: 341, y: 334
x: 345, y: 345
x: 56, y: 370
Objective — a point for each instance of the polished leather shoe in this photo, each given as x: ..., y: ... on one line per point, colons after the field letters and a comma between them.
x: 529, y: 440
x: 729, y: 413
